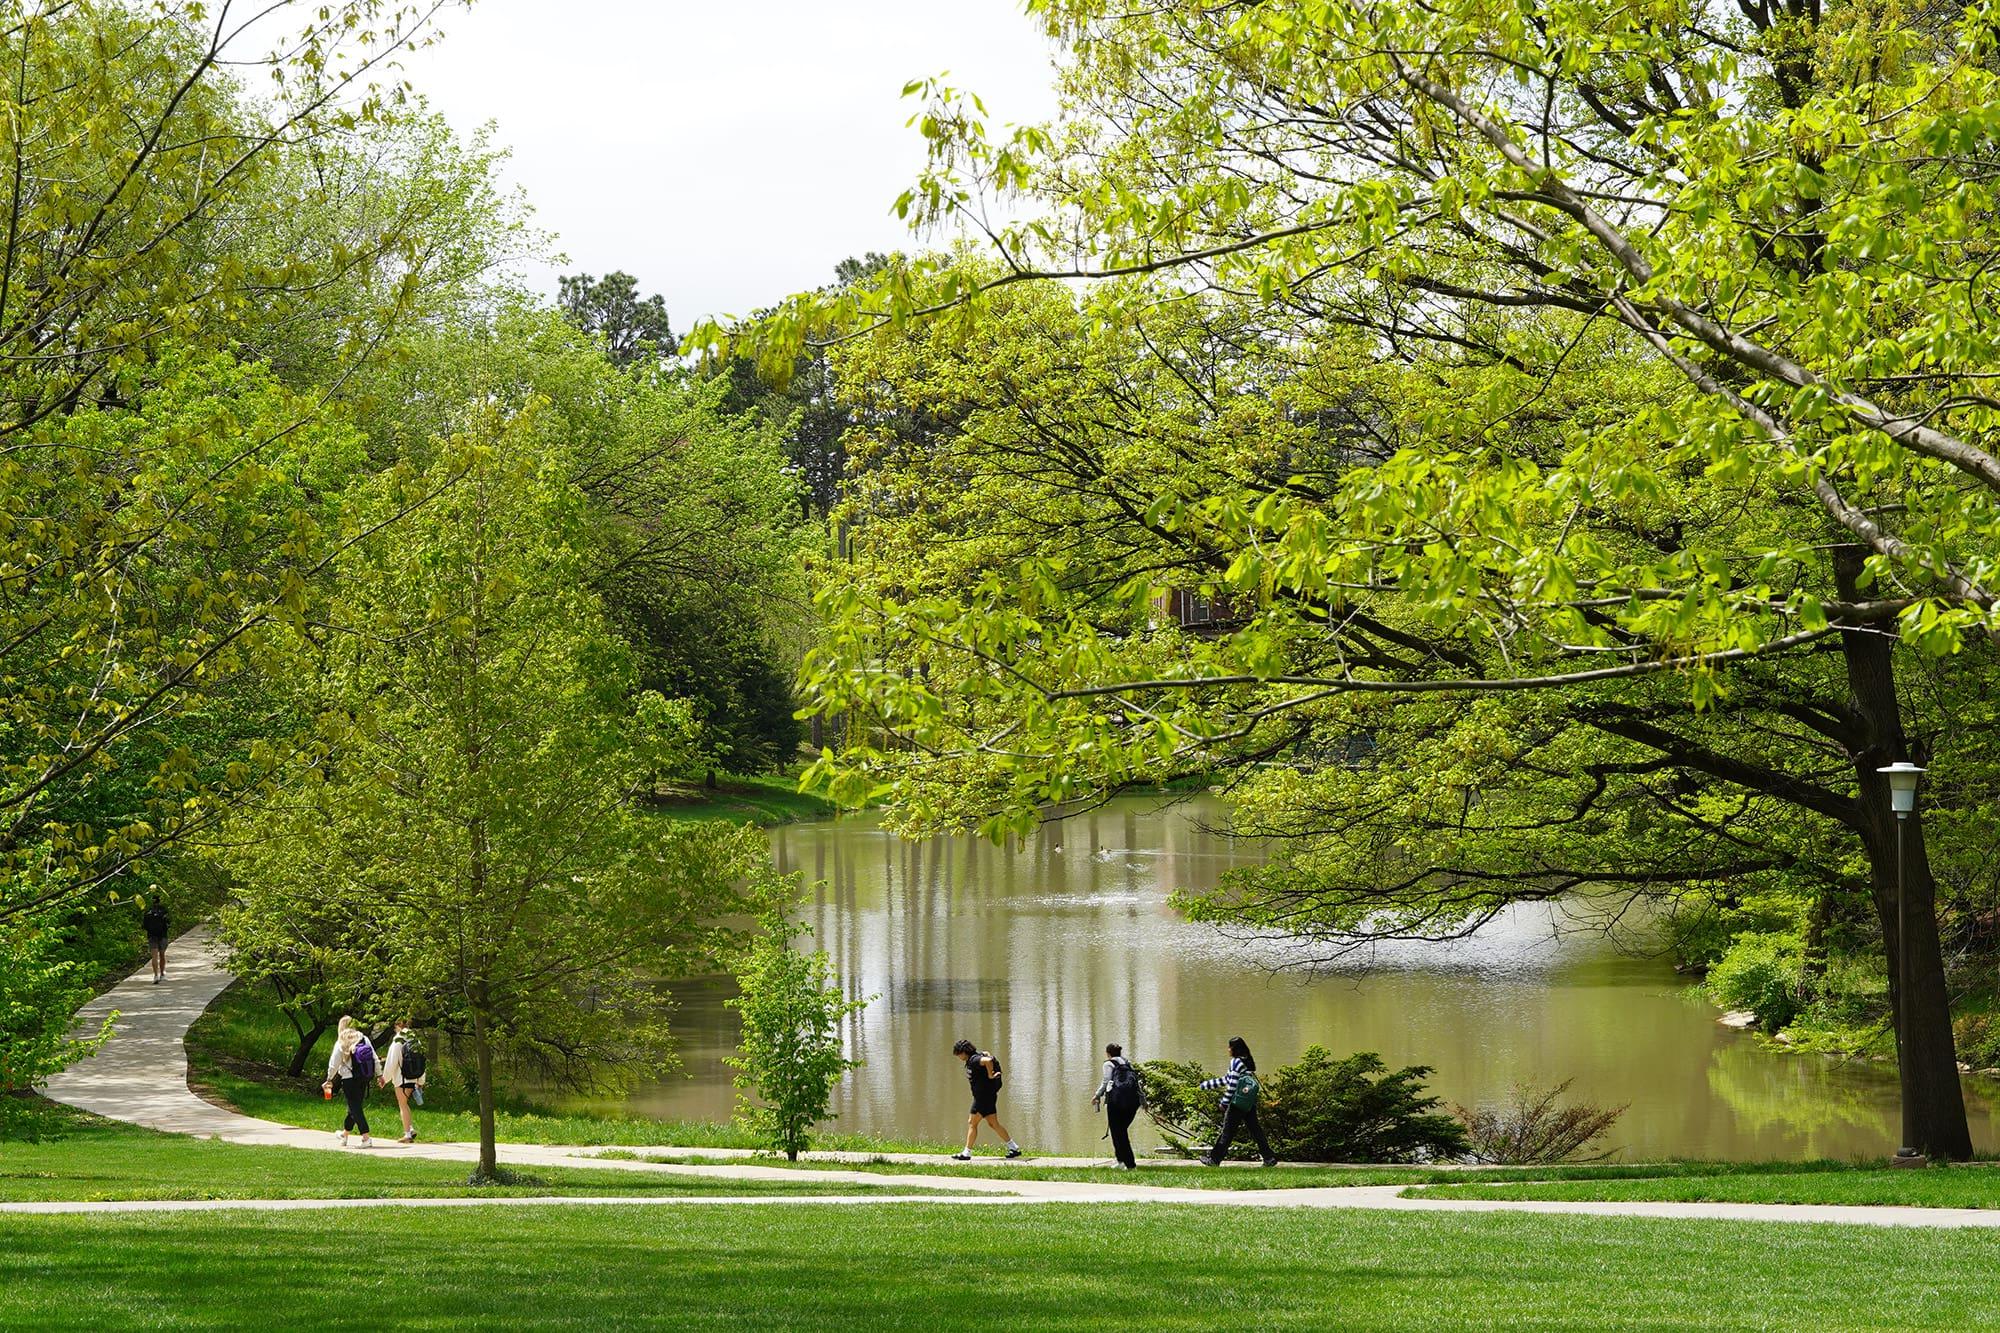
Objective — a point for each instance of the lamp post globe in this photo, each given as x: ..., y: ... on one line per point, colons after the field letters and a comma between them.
x: 1903, y: 777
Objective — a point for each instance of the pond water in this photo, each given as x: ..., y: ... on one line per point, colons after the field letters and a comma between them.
x: 1043, y: 950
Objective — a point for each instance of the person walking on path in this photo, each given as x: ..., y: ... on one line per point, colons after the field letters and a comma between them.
x: 1120, y: 1094
x: 351, y: 1065
x: 982, y: 1071
x: 157, y: 922
x: 1239, y: 1104
x: 403, y: 1070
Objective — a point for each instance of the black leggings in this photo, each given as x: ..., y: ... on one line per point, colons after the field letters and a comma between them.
x: 356, y: 1092
x: 1239, y: 1118
x: 1121, y: 1131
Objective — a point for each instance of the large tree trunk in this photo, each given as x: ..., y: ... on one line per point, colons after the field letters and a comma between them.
x: 1905, y: 899
x: 482, y: 1008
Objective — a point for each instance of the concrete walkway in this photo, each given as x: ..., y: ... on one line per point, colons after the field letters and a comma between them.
x: 140, y: 1077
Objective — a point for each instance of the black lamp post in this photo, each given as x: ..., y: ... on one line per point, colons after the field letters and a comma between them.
x: 1903, y: 777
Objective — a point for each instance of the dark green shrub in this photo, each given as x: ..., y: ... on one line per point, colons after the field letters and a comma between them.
x: 1355, y: 1110
x: 1321, y: 1109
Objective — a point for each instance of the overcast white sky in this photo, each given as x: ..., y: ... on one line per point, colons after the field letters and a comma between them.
x: 725, y: 154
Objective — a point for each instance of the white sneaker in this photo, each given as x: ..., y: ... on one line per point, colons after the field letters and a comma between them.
x: 343, y: 1138
x: 961, y: 1157
x: 367, y: 1142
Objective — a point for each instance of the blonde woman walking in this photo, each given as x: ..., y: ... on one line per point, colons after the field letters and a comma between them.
x: 351, y: 1065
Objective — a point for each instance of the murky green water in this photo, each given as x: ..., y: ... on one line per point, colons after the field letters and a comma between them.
x: 1043, y: 952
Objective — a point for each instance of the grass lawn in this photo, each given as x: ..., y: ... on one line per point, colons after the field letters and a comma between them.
x: 918, y: 1266
x: 1976, y: 1186
x: 83, y: 1157
x: 238, y: 1049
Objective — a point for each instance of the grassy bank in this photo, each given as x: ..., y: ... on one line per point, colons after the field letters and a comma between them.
x: 80, y: 1157
x: 919, y: 1266
x: 756, y: 800
x: 237, y: 1054
x: 1967, y: 1186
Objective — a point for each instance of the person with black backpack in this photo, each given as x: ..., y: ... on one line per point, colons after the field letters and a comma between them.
x: 352, y: 1066
x: 1239, y: 1104
x: 982, y: 1071
x: 1120, y: 1095
x: 403, y: 1069
x: 156, y: 923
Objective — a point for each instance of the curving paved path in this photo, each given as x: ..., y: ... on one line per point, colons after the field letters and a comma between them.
x: 140, y: 1077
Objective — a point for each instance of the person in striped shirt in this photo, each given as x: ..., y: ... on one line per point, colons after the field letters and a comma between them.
x: 1236, y: 1117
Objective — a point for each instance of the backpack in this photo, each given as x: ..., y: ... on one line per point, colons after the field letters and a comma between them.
x: 1127, y: 1089
x: 155, y: 920
x: 363, y: 1059
x: 984, y: 1056
x: 1244, y: 1095
x: 413, y: 1061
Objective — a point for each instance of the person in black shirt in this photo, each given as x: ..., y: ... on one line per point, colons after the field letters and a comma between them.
x: 982, y: 1071
x: 156, y: 922
x: 1120, y: 1093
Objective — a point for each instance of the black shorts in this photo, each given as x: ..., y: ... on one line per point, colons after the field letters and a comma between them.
x: 988, y: 1105
x: 155, y: 942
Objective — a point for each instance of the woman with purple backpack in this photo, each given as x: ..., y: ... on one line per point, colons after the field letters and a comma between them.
x: 351, y: 1065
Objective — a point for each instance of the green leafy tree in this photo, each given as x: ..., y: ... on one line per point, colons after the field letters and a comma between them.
x: 1007, y: 636
x: 692, y: 518
x: 166, y: 499
x: 1648, y: 371
x: 478, y: 815
x: 141, y: 598
x: 791, y: 1057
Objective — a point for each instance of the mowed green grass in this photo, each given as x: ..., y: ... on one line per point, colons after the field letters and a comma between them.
x: 1973, y: 1186
x: 928, y: 1266
x: 84, y: 1158
x: 1163, y: 1174
x: 1839, y: 1182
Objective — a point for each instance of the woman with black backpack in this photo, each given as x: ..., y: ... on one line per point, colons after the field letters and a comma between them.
x: 403, y: 1071
x: 1120, y: 1095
